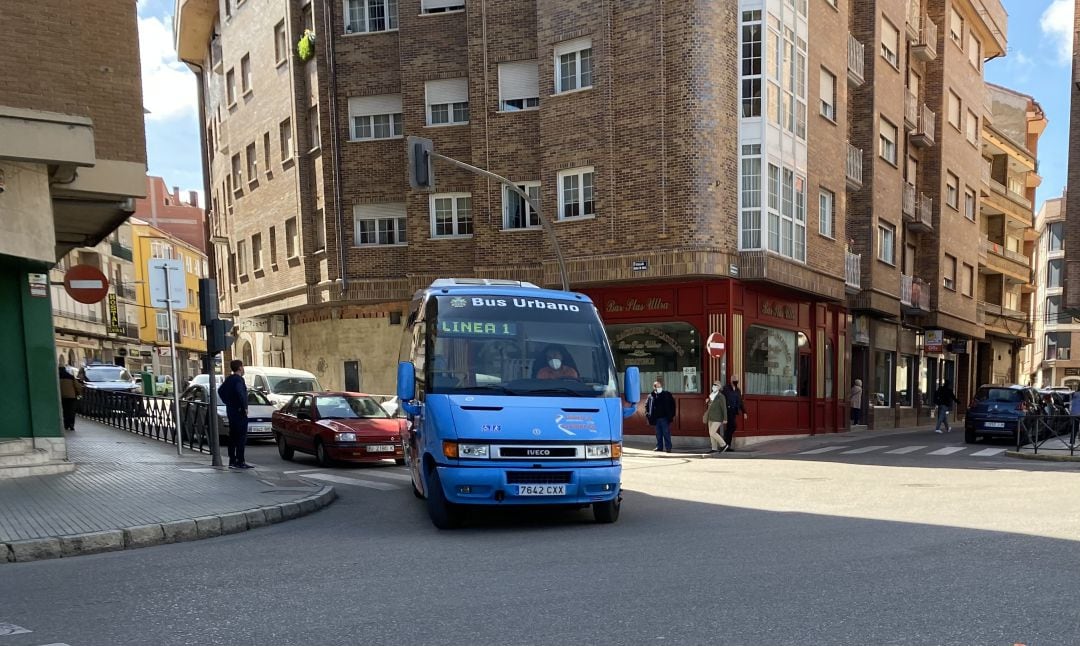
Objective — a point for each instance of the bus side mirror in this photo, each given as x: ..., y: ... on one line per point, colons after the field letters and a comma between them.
x: 631, y: 390
x: 406, y: 387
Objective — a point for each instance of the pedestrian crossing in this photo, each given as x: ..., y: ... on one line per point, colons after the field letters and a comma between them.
x: 378, y: 479
x: 962, y: 450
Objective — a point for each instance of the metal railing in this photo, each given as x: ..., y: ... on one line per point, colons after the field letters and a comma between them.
x: 926, y: 124
x: 925, y: 47
x: 1000, y: 250
x: 853, y: 169
x: 914, y: 293
x: 852, y: 270
x: 148, y: 416
x: 925, y: 211
x: 124, y: 290
x: 856, y: 60
x: 914, y: 12
x: 121, y: 251
x: 909, y: 199
x: 1057, y: 431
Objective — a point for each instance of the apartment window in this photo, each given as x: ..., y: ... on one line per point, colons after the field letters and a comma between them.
x: 954, y: 109
x: 320, y: 231
x: 292, y: 238
x: 281, y: 43
x: 1056, y: 236
x: 252, y: 162
x: 230, y: 87
x: 1059, y: 345
x: 273, y: 247
x: 974, y: 51
x: 956, y: 27
x: 245, y: 73
x: 519, y: 86
x: 285, y: 129
x: 828, y: 94
x: 968, y: 286
x: 952, y: 190
x: 256, y: 252
x: 969, y: 203
x: 375, y: 117
x: 447, y: 102
x: 451, y: 215
x: 313, y: 125
x: 368, y: 16
x: 787, y: 228
x: 972, y: 127
x: 886, y: 243
x: 948, y: 272
x: 237, y: 172
x: 1054, y: 270
x: 826, y: 200
x: 517, y: 214
x: 750, y: 197
x: 266, y: 153
x: 379, y: 224
x: 576, y: 193
x: 1053, y: 310
x: 241, y: 257
x: 890, y: 43
x: 887, y: 141
x: 751, y: 64
x: 441, y: 6
x: 573, y: 65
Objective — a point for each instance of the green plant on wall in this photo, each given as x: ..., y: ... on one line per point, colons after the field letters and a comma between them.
x: 305, y: 48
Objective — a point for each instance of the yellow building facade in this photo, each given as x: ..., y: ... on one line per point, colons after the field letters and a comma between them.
x: 149, y: 243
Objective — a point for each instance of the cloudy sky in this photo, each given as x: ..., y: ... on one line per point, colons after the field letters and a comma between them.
x: 1040, y: 43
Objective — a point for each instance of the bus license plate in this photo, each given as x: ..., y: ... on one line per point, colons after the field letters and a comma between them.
x: 380, y: 448
x: 995, y: 425
x: 542, y: 490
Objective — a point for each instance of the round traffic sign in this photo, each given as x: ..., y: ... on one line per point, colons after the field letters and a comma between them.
x: 86, y: 284
x: 715, y: 345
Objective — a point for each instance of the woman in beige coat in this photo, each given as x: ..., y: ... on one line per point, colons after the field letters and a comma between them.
x: 716, y: 418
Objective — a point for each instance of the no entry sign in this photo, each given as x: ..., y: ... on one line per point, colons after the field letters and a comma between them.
x: 716, y: 345
x: 86, y: 284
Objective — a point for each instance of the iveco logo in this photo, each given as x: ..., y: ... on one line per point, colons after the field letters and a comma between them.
x: 537, y: 452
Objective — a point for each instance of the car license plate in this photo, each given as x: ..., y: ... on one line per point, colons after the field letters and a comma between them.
x: 542, y: 490
x: 995, y: 425
x: 380, y: 448
x: 259, y: 428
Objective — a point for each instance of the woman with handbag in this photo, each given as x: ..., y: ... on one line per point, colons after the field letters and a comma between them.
x: 715, y: 418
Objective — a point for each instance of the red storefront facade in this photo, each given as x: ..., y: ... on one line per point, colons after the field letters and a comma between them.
x: 791, y: 352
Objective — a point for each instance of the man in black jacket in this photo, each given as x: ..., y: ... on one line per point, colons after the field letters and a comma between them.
x: 233, y: 393
x: 734, y: 408
x: 660, y: 411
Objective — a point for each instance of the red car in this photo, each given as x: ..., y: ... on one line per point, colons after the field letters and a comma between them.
x: 350, y: 427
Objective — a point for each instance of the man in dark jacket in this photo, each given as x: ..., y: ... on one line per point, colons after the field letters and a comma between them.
x: 945, y: 399
x: 233, y: 393
x: 734, y: 408
x: 660, y: 411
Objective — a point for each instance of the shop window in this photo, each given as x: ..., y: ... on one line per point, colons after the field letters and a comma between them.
x: 830, y: 362
x: 883, y: 379
x: 670, y: 352
x: 906, y: 371
x: 773, y: 362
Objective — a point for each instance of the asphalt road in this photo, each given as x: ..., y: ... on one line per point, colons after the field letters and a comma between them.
x: 784, y: 548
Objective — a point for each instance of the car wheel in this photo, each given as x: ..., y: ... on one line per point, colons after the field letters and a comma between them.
x: 399, y: 461
x: 970, y: 437
x: 607, y: 512
x: 444, y: 514
x: 321, y: 456
x: 283, y: 448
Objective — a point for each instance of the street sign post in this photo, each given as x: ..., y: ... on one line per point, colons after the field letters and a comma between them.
x: 716, y: 345
x: 167, y: 290
x: 86, y: 284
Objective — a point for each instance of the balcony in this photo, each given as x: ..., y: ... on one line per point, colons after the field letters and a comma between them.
x: 909, y: 201
x: 120, y: 251
x: 922, y: 136
x: 854, y: 167
x: 852, y: 272
x: 913, y: 14
x: 129, y: 330
x: 925, y: 46
x: 911, y: 111
x: 996, y: 259
x: 914, y: 295
x: 124, y: 290
x: 856, y: 61
x: 921, y: 220
x: 215, y: 55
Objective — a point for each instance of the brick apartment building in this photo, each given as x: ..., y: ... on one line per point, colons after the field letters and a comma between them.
x: 1071, y: 281
x: 676, y: 145
x: 169, y: 211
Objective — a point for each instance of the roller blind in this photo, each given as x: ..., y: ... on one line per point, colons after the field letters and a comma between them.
x: 447, y: 91
x: 573, y: 45
x: 363, y: 106
x: 388, y: 210
x: 519, y: 80
x: 428, y: 5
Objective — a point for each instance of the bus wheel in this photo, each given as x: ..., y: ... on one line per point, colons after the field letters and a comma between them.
x: 444, y: 514
x: 607, y: 512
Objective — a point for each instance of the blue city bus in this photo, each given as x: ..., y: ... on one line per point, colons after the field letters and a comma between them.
x: 511, y: 397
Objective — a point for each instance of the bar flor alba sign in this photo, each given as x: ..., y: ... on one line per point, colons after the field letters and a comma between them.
x: 633, y: 305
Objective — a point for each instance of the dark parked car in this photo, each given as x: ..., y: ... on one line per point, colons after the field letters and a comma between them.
x: 338, y: 426
x: 996, y: 411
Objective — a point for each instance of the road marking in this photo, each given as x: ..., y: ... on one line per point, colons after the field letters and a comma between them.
x: 202, y: 470
x: 824, y: 449
x: 906, y: 449
x: 392, y: 475
x: 948, y: 450
x: 303, y: 471
x: 988, y: 452
x: 12, y: 629
x: 865, y: 449
x: 370, y: 484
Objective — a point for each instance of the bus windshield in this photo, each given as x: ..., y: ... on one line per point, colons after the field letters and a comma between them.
x: 517, y: 346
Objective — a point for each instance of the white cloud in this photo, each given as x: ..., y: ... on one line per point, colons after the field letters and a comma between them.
x: 168, y: 85
x: 1057, y: 24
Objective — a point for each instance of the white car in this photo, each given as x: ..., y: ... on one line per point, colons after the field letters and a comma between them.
x: 280, y: 384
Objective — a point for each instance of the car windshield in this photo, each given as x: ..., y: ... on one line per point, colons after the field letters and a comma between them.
x: 349, y: 407
x: 256, y: 398
x: 292, y: 385
x: 107, y: 374
x: 517, y: 346
x: 1008, y: 395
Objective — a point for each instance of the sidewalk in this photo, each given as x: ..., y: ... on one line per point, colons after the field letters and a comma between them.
x: 130, y: 491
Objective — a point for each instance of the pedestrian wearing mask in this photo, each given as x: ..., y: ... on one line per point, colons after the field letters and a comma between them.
x: 856, y: 403
x: 945, y: 398
x: 735, y: 407
x: 234, y: 394
x: 716, y: 418
x: 660, y: 411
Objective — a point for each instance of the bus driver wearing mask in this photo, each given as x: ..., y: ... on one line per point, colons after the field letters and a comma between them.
x: 554, y: 367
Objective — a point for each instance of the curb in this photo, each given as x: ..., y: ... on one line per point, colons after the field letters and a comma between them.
x: 1043, y: 456
x: 175, y: 531
x: 678, y: 455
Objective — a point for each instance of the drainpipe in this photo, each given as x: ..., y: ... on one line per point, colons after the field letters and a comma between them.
x: 335, y: 142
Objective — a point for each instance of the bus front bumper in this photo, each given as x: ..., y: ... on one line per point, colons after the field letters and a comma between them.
x: 524, y: 486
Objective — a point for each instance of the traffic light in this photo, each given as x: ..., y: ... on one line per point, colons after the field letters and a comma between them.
x: 208, y: 301
x: 421, y: 164
x: 217, y: 338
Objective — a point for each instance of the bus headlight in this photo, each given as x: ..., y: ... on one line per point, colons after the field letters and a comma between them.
x: 478, y: 451
x: 611, y: 451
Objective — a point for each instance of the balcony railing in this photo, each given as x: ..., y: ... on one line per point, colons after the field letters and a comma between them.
x: 911, y: 110
x: 909, y: 200
x: 925, y: 47
x: 914, y: 294
x: 118, y: 250
x: 1001, y: 250
x: 129, y: 330
x: 124, y: 290
x: 852, y: 271
x: 215, y: 55
x: 1000, y: 310
x: 913, y: 14
x: 853, y: 169
x: 922, y: 220
x: 923, y: 134
x: 856, y: 61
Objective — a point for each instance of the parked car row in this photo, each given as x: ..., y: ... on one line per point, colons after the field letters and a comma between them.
x: 998, y: 411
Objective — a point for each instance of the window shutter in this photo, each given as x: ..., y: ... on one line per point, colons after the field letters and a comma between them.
x: 428, y: 5
x: 573, y: 45
x: 827, y: 89
x: 447, y: 91
x: 387, y: 210
x: 890, y: 36
x: 519, y: 80
x: 363, y: 106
